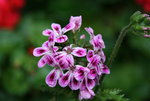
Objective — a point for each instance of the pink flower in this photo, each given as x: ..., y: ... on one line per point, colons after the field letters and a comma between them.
x: 77, y: 20
x: 59, y: 32
x: 65, y: 57
x: 47, y: 51
x: 97, y: 40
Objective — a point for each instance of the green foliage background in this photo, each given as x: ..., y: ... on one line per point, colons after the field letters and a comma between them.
x: 20, y: 78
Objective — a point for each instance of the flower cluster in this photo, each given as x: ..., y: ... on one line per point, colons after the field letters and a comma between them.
x: 10, y: 13
x: 145, y: 4
x: 65, y: 71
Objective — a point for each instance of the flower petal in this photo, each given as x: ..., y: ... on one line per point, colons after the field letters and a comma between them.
x: 83, y: 84
x: 49, y: 60
x: 51, y: 78
x: 46, y: 45
x: 90, y: 55
x: 61, y: 39
x: 79, y: 72
x: 56, y: 28
x: 65, y: 79
x: 74, y: 84
x: 63, y: 64
x: 105, y: 69
x: 70, y: 60
x: 82, y: 36
x: 90, y: 31
x: 47, y: 32
x: 77, y: 20
x: 68, y: 27
x: 102, y: 55
x: 90, y: 83
x: 92, y: 74
x: 55, y: 48
x: 39, y: 51
x: 95, y: 60
x: 51, y: 39
x: 42, y: 62
x: 59, y: 55
x: 79, y: 52
x: 98, y: 70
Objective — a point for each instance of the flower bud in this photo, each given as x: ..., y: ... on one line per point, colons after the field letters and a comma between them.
x: 141, y: 24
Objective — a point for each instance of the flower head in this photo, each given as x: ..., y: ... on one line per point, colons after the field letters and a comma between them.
x: 65, y: 60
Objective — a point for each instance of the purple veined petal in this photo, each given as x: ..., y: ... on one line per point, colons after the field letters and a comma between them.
x: 49, y: 60
x: 95, y: 60
x: 42, y: 62
x: 51, y: 39
x: 92, y: 74
x: 47, y: 32
x: 90, y: 55
x: 86, y: 94
x: 74, y: 84
x: 63, y: 64
x: 61, y: 39
x: 98, y: 69
x: 68, y: 27
x: 70, y: 60
x: 83, y: 84
x: 90, y: 31
x: 51, y: 78
x: 77, y: 20
x: 79, y: 52
x: 59, y: 55
x: 105, y: 69
x: 40, y: 51
x: 90, y: 83
x: 45, y: 45
x: 79, y: 72
x: 65, y: 79
x: 56, y: 28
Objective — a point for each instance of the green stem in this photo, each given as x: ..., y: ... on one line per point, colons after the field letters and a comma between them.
x: 75, y: 38
x: 118, y: 43
x: 123, y: 33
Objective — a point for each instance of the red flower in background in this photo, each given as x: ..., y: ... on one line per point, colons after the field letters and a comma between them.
x: 145, y: 4
x: 10, y: 13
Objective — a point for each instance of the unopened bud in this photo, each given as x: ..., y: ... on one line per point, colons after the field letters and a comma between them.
x: 82, y: 36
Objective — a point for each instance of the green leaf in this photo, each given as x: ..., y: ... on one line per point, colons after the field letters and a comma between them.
x: 111, y: 95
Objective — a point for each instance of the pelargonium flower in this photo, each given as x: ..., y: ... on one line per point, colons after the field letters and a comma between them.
x: 67, y: 70
x: 46, y: 51
x: 59, y: 32
x: 97, y: 40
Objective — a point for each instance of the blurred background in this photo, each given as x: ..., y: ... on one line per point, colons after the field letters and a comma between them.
x: 21, y: 24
